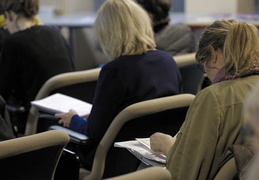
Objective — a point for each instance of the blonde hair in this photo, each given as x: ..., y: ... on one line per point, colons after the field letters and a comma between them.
x: 238, y: 41
x: 123, y: 28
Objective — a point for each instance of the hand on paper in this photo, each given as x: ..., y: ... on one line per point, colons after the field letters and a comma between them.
x: 65, y: 118
x: 161, y: 142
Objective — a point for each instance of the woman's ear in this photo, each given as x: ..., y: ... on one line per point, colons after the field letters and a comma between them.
x: 213, y: 56
x: 217, y: 57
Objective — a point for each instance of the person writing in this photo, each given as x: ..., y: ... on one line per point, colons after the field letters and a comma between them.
x: 228, y: 52
x: 137, y: 72
x: 30, y: 55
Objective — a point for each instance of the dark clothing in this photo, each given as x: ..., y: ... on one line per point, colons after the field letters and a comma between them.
x: 174, y: 39
x: 28, y: 59
x: 124, y: 81
x: 3, y: 34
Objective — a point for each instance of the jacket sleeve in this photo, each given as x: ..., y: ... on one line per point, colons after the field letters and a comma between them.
x: 192, y: 154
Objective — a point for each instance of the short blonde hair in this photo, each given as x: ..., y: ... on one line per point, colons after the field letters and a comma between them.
x: 238, y: 41
x: 123, y: 28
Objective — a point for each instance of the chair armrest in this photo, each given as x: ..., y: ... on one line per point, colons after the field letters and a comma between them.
x: 152, y: 173
x: 47, y: 116
x: 75, y: 137
x: 18, y: 109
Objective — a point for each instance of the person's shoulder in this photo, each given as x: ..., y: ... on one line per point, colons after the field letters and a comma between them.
x: 235, y: 89
x: 15, y: 38
x: 123, y: 63
x: 179, y: 28
x: 110, y: 65
x: 162, y: 54
x: 44, y: 28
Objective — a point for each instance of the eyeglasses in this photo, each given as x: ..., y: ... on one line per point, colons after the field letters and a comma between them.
x: 201, y: 67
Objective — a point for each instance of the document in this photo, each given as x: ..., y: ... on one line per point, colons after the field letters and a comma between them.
x: 141, y: 149
x: 58, y: 103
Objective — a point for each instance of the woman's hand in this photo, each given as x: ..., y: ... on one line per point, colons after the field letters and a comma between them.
x: 65, y: 118
x: 161, y: 142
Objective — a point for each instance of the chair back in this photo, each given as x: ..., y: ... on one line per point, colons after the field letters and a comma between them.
x: 138, y: 120
x: 192, y: 77
x: 79, y: 84
x: 32, y: 157
x: 152, y: 173
x: 5, y: 114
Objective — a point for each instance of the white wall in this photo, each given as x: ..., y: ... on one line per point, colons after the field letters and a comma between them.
x: 219, y: 6
x: 68, y: 6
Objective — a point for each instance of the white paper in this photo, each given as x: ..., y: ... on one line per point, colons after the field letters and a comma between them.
x: 141, y: 149
x: 57, y: 103
x: 144, y: 141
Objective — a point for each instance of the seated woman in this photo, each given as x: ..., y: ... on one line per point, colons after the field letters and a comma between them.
x: 30, y: 55
x: 137, y: 72
x: 228, y: 51
x: 174, y: 39
x: 3, y: 31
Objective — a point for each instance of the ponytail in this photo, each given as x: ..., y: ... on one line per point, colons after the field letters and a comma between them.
x: 238, y: 41
x: 241, y: 48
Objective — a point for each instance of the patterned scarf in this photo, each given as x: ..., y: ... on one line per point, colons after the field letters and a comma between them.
x: 222, y: 76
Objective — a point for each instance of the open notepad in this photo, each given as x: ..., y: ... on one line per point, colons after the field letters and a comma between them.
x: 57, y: 103
x: 141, y: 149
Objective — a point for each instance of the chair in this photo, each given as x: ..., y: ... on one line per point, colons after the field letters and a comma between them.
x: 79, y: 84
x: 193, y: 79
x: 152, y: 173
x: 141, y: 119
x: 32, y: 157
x: 6, y: 116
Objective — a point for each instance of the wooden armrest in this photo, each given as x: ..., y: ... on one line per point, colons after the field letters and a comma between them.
x: 75, y: 137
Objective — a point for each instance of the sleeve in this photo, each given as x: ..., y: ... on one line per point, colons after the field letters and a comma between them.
x: 78, y: 124
x: 192, y: 154
x: 109, y: 95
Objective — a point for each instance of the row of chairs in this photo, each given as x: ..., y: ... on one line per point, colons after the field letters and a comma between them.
x: 133, y: 117
x: 81, y: 85
x: 137, y: 116
x: 36, y: 157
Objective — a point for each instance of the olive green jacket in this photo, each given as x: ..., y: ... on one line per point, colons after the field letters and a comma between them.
x: 212, y: 124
